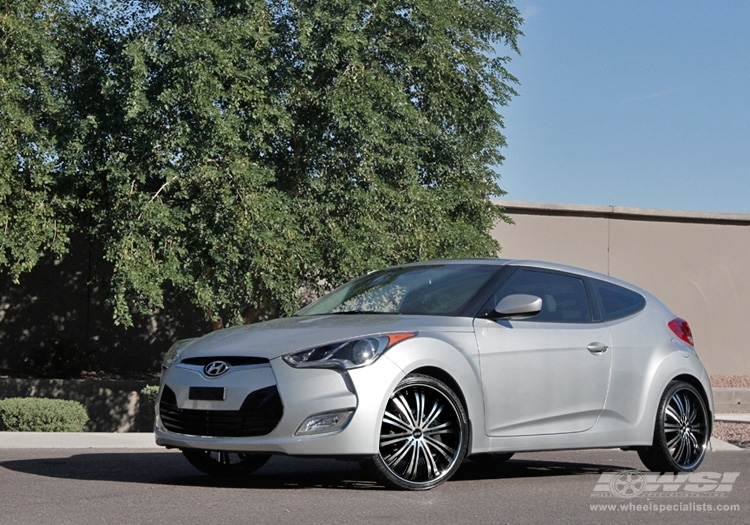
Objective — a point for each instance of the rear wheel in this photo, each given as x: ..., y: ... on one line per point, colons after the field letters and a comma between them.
x: 225, y: 464
x: 424, y: 435
x: 681, y: 432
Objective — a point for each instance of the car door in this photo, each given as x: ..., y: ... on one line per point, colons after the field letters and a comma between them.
x: 547, y: 374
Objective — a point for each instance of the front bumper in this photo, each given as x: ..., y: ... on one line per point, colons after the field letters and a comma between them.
x: 303, y: 392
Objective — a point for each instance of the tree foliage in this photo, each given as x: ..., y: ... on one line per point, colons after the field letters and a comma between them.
x: 237, y: 151
x: 31, y: 208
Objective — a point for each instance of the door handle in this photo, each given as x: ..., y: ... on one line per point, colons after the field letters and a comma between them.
x: 597, y: 348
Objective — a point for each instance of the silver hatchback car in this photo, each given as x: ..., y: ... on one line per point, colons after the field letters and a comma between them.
x: 411, y: 369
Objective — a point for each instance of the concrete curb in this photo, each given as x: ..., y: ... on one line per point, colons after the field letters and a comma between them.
x: 78, y: 440
x: 718, y: 445
x: 733, y: 418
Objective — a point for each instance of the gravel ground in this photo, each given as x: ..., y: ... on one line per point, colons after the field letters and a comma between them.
x: 730, y: 381
x: 734, y: 433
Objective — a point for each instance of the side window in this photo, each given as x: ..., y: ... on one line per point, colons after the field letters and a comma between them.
x: 564, y: 298
x: 616, y: 301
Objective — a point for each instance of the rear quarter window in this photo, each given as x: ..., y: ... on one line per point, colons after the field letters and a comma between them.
x: 617, y: 302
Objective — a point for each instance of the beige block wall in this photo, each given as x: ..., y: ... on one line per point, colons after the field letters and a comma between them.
x: 698, y: 264
x: 577, y: 241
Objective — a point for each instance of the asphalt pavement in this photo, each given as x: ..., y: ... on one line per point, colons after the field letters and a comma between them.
x: 94, y: 487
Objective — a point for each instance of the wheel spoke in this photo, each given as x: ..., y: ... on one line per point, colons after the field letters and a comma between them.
x: 693, y: 441
x: 432, y: 468
x: 419, y: 403
x: 670, y: 413
x: 393, y: 420
x: 444, y: 428
x: 437, y: 409
x: 391, y: 439
x: 444, y: 450
x: 679, y: 406
x: 692, y: 415
x: 411, y: 470
x: 403, y: 406
x: 671, y: 443
x: 687, y: 452
x: 679, y: 450
x: 399, y: 454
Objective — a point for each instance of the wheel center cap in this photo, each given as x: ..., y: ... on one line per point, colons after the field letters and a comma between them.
x: 417, y: 433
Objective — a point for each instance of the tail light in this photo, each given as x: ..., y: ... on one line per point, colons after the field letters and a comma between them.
x: 681, y: 329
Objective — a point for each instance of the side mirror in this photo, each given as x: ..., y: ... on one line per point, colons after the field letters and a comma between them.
x: 518, y: 306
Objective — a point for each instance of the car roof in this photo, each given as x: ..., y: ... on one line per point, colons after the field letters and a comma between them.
x: 544, y: 265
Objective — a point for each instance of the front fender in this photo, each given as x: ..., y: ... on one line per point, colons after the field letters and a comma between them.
x: 454, y: 354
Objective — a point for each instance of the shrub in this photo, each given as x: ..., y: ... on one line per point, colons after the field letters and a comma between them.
x: 42, y: 415
x: 149, y: 394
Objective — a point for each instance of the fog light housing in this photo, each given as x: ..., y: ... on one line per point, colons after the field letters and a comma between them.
x: 322, y: 423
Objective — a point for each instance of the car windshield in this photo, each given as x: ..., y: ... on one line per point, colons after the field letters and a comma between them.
x: 440, y: 289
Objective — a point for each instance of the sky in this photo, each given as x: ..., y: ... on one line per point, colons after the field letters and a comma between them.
x: 637, y: 103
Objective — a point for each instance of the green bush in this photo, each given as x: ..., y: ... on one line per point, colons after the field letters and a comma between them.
x: 149, y: 394
x: 42, y: 415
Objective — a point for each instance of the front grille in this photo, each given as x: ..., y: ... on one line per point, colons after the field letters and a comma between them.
x: 233, y: 361
x: 259, y: 414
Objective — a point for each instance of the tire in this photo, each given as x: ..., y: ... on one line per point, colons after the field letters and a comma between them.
x: 424, y: 435
x: 225, y: 464
x: 681, y: 432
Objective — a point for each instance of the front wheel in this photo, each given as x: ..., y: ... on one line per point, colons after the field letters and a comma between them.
x: 225, y: 464
x: 424, y: 435
x: 681, y: 432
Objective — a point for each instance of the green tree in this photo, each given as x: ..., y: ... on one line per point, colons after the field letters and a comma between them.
x: 238, y: 151
x: 395, y: 127
x: 32, y: 210
x: 192, y: 202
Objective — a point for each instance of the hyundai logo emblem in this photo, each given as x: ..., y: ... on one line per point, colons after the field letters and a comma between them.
x: 216, y: 368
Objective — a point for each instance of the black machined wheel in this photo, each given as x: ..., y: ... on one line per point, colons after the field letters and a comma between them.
x: 225, y: 464
x: 681, y: 432
x: 424, y: 435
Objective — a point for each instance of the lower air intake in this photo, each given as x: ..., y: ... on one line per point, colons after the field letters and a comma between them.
x: 259, y: 414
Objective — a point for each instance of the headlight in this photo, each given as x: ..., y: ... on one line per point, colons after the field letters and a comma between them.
x: 173, y: 354
x: 347, y: 354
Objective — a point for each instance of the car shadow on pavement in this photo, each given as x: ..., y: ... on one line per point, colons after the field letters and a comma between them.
x: 170, y: 468
x: 478, y: 469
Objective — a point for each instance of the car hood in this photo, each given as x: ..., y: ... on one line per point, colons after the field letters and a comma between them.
x: 278, y: 337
